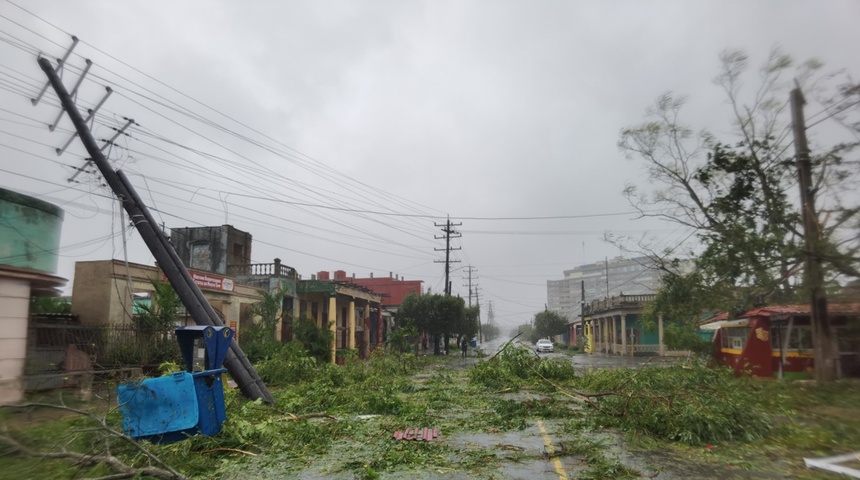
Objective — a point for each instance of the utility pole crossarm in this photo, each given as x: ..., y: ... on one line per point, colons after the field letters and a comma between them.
x: 201, y: 311
x: 450, y: 233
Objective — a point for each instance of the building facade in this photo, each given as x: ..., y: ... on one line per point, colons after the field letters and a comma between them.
x: 614, y: 326
x: 614, y: 277
x: 213, y: 249
x: 391, y: 289
x: 105, y: 292
x: 351, y: 312
x: 29, y: 244
x: 776, y: 341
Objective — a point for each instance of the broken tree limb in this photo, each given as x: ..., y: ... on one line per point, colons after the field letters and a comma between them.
x: 102, y: 426
x: 505, y: 346
x: 224, y: 449
x: 125, y: 471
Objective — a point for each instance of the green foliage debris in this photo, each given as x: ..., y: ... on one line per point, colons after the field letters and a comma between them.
x: 692, y: 404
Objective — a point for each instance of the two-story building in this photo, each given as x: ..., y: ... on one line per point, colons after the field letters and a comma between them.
x: 29, y: 245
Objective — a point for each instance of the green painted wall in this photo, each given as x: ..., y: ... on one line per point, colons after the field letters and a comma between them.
x: 29, y: 232
x: 647, y: 337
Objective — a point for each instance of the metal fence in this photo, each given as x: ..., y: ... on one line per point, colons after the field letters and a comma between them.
x: 57, y: 348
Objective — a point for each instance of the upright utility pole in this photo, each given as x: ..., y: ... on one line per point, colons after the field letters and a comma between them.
x: 448, y: 229
x: 189, y: 293
x: 470, y: 269
x: 582, y: 298
x: 480, y: 325
x: 822, y: 334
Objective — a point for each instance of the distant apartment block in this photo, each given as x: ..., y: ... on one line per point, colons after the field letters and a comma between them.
x: 627, y: 276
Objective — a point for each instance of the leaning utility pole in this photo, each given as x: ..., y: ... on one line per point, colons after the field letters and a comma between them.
x: 236, y: 362
x: 450, y: 233
x: 825, y: 366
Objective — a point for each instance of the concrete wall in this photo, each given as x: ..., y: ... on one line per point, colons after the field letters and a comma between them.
x: 212, y: 248
x: 101, y: 294
x: 14, y: 312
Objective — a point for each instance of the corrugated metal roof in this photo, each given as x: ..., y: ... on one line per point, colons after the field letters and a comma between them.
x: 834, y: 308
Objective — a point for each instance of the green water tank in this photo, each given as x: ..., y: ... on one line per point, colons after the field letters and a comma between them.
x: 29, y: 232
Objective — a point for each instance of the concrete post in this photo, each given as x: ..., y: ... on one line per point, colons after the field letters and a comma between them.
x: 379, y: 324
x: 661, y: 350
x: 366, y: 332
x: 604, y: 333
x: 623, y: 334
x: 296, y: 313
x: 279, y: 327
x: 350, y: 336
x: 332, y: 324
x: 614, y: 332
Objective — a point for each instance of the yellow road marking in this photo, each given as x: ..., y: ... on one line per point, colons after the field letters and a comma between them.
x: 559, y: 468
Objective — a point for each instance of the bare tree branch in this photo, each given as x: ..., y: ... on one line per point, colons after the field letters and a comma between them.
x: 102, y: 423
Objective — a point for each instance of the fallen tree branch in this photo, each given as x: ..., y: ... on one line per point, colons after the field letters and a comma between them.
x: 504, y: 346
x: 586, y: 397
x: 102, y: 423
x: 213, y: 450
x: 125, y: 471
x: 311, y: 415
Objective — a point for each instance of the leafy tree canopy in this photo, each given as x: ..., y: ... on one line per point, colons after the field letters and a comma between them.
x: 548, y: 324
x: 162, y: 310
x: 738, y: 197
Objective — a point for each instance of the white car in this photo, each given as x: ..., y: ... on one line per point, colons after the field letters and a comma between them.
x: 544, y: 345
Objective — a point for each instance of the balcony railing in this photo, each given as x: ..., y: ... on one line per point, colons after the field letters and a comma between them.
x: 275, y: 269
x: 621, y: 301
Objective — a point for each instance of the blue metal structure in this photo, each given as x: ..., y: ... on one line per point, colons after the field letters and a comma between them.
x: 171, y: 408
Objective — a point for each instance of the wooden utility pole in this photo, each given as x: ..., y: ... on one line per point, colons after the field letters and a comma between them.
x: 448, y: 229
x: 474, y: 292
x: 450, y: 233
x: 822, y: 333
x: 470, y: 269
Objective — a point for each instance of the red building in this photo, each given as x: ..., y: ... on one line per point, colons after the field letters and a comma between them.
x: 393, y: 288
x: 774, y: 341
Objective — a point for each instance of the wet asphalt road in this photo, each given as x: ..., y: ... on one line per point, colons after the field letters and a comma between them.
x: 587, y: 362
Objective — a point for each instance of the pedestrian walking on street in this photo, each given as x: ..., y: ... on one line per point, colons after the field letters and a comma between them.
x: 464, y: 345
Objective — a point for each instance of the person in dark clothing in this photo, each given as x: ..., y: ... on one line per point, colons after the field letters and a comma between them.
x: 464, y: 345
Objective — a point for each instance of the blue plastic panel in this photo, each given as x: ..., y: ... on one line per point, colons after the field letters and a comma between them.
x: 158, y: 405
x: 210, y: 400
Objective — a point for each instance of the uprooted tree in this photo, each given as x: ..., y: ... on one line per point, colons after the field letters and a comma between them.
x: 737, y: 195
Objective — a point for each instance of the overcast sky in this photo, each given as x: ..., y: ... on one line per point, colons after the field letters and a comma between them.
x: 338, y: 132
